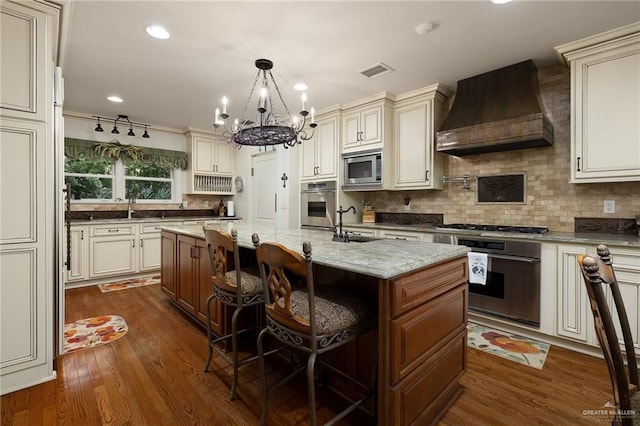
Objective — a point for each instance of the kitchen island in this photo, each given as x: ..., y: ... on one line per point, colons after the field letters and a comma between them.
x: 421, y: 294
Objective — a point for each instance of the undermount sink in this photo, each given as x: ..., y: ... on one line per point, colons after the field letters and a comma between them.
x: 361, y: 239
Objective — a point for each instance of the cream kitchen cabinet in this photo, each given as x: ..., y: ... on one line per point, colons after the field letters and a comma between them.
x: 149, y: 245
x: 418, y: 115
x: 399, y: 235
x: 605, y: 106
x: 366, y: 124
x: 320, y: 154
x: 79, y: 254
x: 113, y: 250
x: 360, y: 232
x: 574, y: 319
x: 28, y: 267
x: 211, y: 164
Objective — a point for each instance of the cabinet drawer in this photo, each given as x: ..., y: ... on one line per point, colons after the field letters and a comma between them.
x: 431, y: 389
x: 104, y: 230
x: 412, y: 291
x: 417, y: 335
x: 150, y: 228
x: 399, y: 235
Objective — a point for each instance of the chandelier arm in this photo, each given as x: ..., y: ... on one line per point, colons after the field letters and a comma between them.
x: 246, y: 105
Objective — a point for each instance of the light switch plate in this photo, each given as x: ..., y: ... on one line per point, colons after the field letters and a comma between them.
x: 609, y: 206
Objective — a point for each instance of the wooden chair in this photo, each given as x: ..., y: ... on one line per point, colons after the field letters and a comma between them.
x: 598, y: 274
x: 235, y: 288
x: 313, y: 320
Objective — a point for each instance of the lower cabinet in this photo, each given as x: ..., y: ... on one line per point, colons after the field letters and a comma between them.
x: 79, y: 250
x: 112, y: 250
x: 399, y: 235
x: 574, y: 319
x: 186, y: 277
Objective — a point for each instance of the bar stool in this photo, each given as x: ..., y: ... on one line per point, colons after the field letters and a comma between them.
x: 235, y: 288
x: 314, y: 320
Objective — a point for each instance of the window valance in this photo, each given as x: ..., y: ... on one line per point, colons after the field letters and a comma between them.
x: 92, y: 150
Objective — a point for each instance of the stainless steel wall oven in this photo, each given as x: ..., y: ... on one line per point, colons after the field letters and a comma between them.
x: 512, y: 288
x: 318, y: 204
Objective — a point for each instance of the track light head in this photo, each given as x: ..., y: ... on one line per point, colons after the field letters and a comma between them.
x: 115, y: 130
x: 131, y: 131
x: 99, y: 128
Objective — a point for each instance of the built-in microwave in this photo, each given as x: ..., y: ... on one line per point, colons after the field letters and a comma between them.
x: 362, y: 170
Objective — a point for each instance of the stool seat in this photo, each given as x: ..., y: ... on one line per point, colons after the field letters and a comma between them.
x: 335, y: 309
x: 249, y: 283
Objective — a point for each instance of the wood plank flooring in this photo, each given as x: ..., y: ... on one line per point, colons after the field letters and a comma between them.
x: 153, y: 376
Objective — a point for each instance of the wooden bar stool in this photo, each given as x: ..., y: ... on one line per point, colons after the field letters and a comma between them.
x: 598, y: 274
x: 314, y: 320
x: 235, y: 288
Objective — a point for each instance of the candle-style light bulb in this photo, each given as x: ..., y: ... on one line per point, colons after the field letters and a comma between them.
x: 295, y: 121
x: 313, y: 113
x: 262, y: 102
x: 304, y: 101
x: 235, y: 125
x: 217, y: 116
x: 224, y: 104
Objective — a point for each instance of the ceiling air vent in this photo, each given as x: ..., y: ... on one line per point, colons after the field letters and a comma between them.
x: 376, y: 70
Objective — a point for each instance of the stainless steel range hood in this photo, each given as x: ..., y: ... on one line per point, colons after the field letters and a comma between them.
x: 496, y: 111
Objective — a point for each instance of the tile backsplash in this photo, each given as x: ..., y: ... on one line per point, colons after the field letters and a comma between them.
x: 551, y: 200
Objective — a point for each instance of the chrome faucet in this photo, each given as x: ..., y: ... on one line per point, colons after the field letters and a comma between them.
x: 340, y: 236
x: 130, y: 210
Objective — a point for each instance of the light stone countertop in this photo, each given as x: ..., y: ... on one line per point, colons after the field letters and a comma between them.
x: 549, y: 237
x: 124, y: 221
x: 383, y: 258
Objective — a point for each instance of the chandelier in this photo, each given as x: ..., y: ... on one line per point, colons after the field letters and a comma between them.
x: 270, y: 128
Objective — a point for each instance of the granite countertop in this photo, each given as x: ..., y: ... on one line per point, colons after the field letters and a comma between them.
x: 550, y: 237
x: 383, y: 258
x: 152, y: 219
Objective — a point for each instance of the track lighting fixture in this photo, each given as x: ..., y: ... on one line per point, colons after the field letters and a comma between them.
x: 125, y: 119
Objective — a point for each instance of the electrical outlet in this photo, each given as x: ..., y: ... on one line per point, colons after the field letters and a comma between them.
x: 407, y: 207
x: 184, y: 204
x: 609, y: 206
x: 206, y: 203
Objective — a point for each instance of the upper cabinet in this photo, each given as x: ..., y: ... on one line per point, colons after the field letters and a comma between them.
x: 366, y: 123
x: 418, y: 115
x: 211, y: 164
x: 605, y: 106
x: 320, y: 153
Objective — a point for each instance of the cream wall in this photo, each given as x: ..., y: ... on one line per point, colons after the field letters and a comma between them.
x: 551, y: 200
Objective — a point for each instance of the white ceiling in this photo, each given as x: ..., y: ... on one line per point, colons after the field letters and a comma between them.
x: 178, y: 82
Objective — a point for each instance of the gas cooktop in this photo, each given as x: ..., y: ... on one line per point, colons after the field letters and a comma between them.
x: 495, y: 228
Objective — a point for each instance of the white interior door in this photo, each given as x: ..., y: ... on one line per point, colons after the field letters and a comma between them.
x: 264, y: 189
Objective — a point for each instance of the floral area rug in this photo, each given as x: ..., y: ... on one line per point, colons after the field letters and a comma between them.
x: 125, y: 284
x: 92, y: 332
x: 506, y: 345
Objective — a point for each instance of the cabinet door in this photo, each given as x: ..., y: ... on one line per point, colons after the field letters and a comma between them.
x: 79, y: 254
x: 223, y: 160
x: 186, y: 275
x: 24, y: 89
x: 412, y: 150
x: 574, y: 316
x: 626, y: 263
x: 308, y: 158
x: 203, y: 155
x: 149, y: 252
x: 168, y: 270
x: 606, y: 107
x: 326, y: 152
x: 371, y: 125
x: 113, y: 255
x: 351, y: 130
x: 205, y: 288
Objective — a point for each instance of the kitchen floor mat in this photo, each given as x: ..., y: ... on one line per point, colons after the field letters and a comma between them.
x: 507, y: 345
x: 130, y: 283
x: 91, y: 332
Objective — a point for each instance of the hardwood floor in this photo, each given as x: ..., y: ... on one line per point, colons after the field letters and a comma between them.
x: 153, y: 375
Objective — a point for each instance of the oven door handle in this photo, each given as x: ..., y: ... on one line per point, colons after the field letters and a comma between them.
x: 516, y: 258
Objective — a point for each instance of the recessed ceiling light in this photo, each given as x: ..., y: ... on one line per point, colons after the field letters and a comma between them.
x: 157, y: 31
x: 300, y: 87
x: 500, y: 1
x: 116, y: 99
x: 424, y: 28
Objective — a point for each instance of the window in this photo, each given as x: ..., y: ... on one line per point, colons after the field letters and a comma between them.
x: 104, y: 180
x: 147, y: 181
x: 90, y: 179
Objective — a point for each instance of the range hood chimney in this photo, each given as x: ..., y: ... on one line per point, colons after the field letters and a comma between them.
x: 496, y: 111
